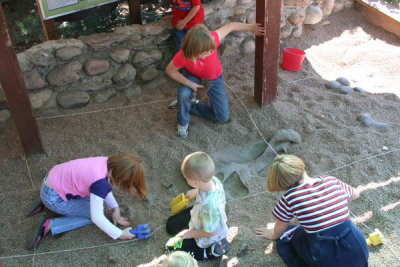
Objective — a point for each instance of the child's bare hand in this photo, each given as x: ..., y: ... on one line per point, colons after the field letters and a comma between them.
x: 266, y: 232
x: 180, y: 25
x: 123, y: 221
x: 192, y: 193
x: 117, y: 219
x: 194, y: 86
x: 185, y: 234
x: 257, y: 30
x: 126, y: 235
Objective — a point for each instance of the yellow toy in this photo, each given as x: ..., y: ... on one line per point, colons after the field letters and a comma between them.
x: 375, y: 238
x: 179, y: 203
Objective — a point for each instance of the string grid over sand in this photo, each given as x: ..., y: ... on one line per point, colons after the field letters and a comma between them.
x: 326, y: 121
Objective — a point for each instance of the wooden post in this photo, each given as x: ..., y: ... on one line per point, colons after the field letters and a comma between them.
x: 16, y: 93
x: 134, y: 12
x: 49, y: 27
x: 268, y: 13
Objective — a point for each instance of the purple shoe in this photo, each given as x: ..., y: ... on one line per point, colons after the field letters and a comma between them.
x: 36, y: 207
x: 39, y: 229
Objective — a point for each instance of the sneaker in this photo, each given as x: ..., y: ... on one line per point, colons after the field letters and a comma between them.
x: 220, y: 248
x: 182, y: 131
x: 40, y: 228
x: 194, y: 101
x: 173, y: 104
x: 36, y: 207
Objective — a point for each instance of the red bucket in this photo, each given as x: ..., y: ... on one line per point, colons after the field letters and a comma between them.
x: 292, y: 59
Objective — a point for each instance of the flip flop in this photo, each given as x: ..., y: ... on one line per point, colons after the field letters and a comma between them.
x: 35, y: 207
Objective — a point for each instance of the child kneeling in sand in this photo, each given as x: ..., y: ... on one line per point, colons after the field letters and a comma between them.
x: 326, y: 235
x: 78, y: 189
x: 206, y: 236
x: 199, y: 58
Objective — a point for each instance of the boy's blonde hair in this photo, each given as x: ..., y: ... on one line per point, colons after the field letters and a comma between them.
x: 198, y: 166
x: 180, y: 259
x: 128, y: 173
x: 284, y: 172
x: 196, y: 41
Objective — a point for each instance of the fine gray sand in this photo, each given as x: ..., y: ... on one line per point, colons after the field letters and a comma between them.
x: 332, y: 141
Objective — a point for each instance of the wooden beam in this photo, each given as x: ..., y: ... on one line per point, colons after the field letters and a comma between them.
x: 379, y: 18
x: 49, y: 27
x: 134, y: 12
x: 16, y: 93
x: 268, y: 13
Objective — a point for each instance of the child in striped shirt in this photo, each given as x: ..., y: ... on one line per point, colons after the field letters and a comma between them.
x: 200, y: 230
x: 326, y: 235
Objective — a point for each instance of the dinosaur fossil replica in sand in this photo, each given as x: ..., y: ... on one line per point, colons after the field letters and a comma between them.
x: 235, y: 166
x: 368, y: 121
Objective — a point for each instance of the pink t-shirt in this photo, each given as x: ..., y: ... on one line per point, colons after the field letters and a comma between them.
x: 80, y: 177
x: 208, y: 68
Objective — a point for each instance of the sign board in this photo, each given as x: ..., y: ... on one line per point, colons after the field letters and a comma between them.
x: 57, y: 8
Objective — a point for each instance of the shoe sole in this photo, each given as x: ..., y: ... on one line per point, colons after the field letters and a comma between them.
x: 173, y: 105
x: 36, y: 207
x: 36, y: 233
x: 181, y: 136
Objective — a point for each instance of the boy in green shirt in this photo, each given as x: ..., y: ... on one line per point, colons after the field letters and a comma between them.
x: 206, y: 236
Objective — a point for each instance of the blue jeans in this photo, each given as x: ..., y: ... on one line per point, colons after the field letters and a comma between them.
x: 342, y: 245
x: 217, y: 111
x: 178, y: 37
x: 76, y: 211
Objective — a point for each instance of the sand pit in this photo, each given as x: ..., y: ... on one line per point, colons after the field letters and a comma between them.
x: 332, y: 141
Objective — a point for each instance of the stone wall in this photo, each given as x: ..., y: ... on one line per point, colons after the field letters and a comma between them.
x: 72, y: 72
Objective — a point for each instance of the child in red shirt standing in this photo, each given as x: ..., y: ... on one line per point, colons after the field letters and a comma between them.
x: 199, y: 57
x: 185, y: 14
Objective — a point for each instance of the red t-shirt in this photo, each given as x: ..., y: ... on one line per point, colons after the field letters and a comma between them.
x: 181, y: 8
x: 208, y: 68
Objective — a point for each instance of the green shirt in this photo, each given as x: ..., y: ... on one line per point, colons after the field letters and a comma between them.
x: 208, y: 214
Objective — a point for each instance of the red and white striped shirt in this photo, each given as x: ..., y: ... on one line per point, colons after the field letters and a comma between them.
x: 317, y: 206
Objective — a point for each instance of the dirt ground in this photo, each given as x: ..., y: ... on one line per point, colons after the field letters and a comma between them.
x: 333, y: 141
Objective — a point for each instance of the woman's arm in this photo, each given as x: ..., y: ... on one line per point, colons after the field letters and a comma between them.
x: 273, y: 230
x: 174, y: 73
x: 256, y: 29
x: 180, y: 25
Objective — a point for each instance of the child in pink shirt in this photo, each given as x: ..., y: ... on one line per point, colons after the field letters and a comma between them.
x: 199, y: 57
x: 78, y: 190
